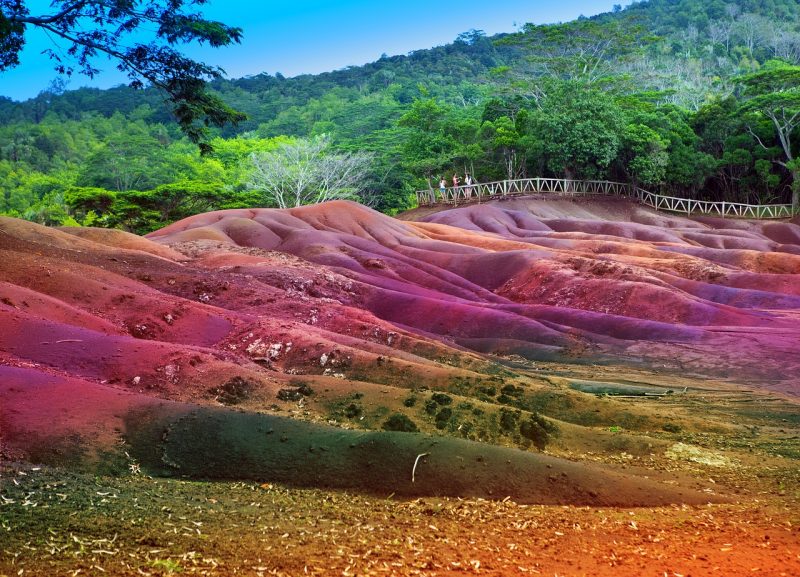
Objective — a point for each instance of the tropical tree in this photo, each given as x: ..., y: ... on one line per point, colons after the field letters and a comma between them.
x: 584, y: 51
x: 644, y: 154
x: 139, y: 35
x: 307, y: 172
x: 576, y: 131
x: 428, y: 147
x: 773, y: 93
x: 503, y: 141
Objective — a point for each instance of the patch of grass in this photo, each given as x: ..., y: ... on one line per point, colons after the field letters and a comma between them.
x: 347, y: 407
x: 620, y: 444
x: 551, y: 403
x: 168, y: 566
x: 460, y: 385
x: 381, y: 411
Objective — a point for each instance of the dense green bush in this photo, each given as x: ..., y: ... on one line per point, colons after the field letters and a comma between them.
x: 443, y: 417
x: 400, y: 422
x: 538, y: 430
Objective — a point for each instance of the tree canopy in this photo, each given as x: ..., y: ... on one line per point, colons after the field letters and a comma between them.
x: 140, y: 36
x: 774, y: 93
x: 691, y: 98
x: 307, y: 172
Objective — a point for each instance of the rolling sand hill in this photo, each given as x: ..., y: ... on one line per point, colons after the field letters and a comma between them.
x: 553, y: 352
x: 556, y: 280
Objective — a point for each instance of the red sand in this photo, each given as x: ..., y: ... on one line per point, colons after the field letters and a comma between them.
x: 583, y: 282
x: 262, y: 295
x: 531, y: 276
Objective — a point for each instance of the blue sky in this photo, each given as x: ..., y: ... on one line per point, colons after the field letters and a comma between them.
x: 312, y: 36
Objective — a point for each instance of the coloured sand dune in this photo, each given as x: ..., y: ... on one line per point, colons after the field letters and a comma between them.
x: 246, y: 307
x: 707, y: 297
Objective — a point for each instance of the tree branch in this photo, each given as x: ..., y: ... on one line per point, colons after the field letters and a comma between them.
x: 47, y: 19
x: 754, y: 135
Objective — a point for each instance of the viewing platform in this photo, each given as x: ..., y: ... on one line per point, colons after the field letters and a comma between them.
x: 503, y: 189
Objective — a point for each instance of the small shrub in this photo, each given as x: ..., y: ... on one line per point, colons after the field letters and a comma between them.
x: 671, y: 428
x: 400, y: 422
x: 289, y: 395
x: 305, y: 389
x: 410, y: 401
x: 506, y: 400
x: 302, y: 390
x: 352, y: 411
x: 441, y: 398
x: 508, y: 420
x: 487, y: 390
x: 538, y: 430
x: 431, y: 407
x: 512, y: 391
x: 443, y: 417
x: 234, y: 391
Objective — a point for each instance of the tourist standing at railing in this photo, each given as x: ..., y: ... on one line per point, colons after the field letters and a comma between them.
x: 468, y: 183
x: 442, y: 187
x: 456, y: 180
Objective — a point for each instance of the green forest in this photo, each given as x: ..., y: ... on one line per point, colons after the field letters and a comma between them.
x: 692, y: 98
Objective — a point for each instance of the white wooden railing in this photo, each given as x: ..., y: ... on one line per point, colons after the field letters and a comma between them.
x: 525, y: 186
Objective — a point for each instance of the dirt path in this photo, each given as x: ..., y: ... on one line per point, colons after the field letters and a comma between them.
x: 136, y: 525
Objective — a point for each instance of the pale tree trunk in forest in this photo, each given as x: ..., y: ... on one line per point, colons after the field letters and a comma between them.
x: 785, y: 122
x: 305, y: 172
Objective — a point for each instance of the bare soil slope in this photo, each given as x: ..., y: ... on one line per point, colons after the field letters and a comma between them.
x: 557, y: 279
x: 111, y: 346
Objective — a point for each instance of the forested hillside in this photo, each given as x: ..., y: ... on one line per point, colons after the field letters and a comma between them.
x: 693, y: 98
